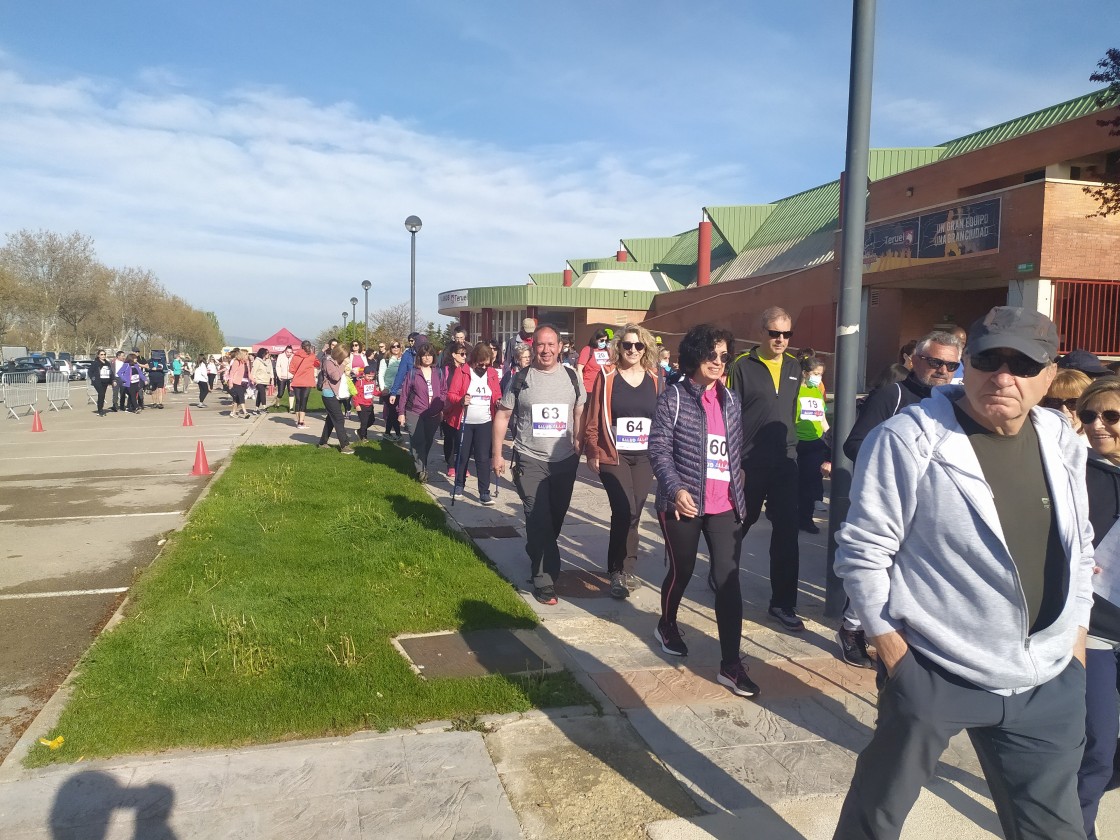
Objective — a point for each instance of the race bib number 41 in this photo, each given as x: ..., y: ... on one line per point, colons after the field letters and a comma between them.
x: 719, y: 468
x: 550, y: 420
x: 631, y: 434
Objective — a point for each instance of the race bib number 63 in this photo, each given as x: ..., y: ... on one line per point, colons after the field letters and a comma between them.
x: 550, y: 420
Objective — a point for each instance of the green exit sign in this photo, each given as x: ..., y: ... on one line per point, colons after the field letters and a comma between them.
x: 1025, y: 267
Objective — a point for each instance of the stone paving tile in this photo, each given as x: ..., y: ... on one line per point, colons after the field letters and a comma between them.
x: 477, y: 809
x: 731, y: 778
x: 308, y: 818
x: 62, y: 798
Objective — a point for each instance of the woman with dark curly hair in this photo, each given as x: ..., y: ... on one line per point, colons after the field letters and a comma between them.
x: 696, y: 447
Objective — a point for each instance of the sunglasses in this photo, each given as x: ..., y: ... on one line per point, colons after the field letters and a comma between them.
x: 631, y: 345
x: 1088, y: 418
x: 939, y: 363
x: 395, y: 347
x: 786, y: 334
x: 1058, y: 403
x: 718, y: 358
x: 1017, y: 365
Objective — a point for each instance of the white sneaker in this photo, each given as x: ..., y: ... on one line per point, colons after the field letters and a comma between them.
x: 820, y: 506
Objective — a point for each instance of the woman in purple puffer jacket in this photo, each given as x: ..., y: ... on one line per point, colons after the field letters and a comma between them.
x: 423, y: 392
x: 695, y: 447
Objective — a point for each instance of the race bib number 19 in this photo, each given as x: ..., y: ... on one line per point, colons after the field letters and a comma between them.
x: 550, y: 420
x: 719, y: 468
x: 811, y: 409
x: 631, y: 434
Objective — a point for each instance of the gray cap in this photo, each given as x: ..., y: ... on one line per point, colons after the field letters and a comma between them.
x: 1014, y: 328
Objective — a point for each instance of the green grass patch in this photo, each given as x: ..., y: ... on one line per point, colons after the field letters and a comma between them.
x: 314, y: 402
x: 269, y: 615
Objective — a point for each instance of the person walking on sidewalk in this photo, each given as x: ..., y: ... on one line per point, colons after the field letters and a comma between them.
x: 262, y: 377
x: 101, y: 375
x: 422, y: 396
x: 237, y: 382
x: 547, y: 400
x: 364, y: 400
x: 334, y: 375
x: 472, y: 399
x: 968, y: 555
x: 386, y: 375
x: 303, y: 367
x: 176, y: 373
x: 695, y: 448
x: 767, y: 380
x: 202, y: 380
x: 453, y: 359
x: 812, y: 451
x: 120, y: 386
x: 620, y: 409
x: 934, y: 361
x: 284, y: 378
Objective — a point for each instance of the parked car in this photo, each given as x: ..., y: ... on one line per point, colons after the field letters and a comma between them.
x: 81, y: 369
x: 37, y: 372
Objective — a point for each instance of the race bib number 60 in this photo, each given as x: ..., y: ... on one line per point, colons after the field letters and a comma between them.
x: 550, y: 420
x: 719, y: 468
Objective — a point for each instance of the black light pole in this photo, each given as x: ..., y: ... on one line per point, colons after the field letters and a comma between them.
x: 413, y: 224
x: 365, y: 328
x: 848, y: 336
x: 353, y: 310
x: 344, y: 314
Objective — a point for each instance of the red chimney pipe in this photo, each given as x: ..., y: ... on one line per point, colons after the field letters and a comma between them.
x: 704, y: 254
x: 567, y: 277
x: 620, y: 256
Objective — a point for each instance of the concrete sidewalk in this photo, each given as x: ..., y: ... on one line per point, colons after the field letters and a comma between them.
x: 674, y: 754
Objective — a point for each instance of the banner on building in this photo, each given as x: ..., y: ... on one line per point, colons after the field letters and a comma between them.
x: 962, y: 231
x: 452, y: 301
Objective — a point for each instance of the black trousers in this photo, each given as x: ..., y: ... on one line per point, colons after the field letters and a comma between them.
x: 724, y: 535
x: 134, y: 399
x: 333, y: 422
x: 365, y: 418
x: 476, y: 442
x: 121, y: 395
x: 282, y: 388
x: 101, y: 385
x: 392, y: 418
x: 1102, y: 727
x: 810, y: 484
x: 1029, y: 746
x: 627, y: 484
x: 203, y: 391
x: 421, y: 436
x: 775, y: 482
x: 545, y: 488
x: 301, y: 395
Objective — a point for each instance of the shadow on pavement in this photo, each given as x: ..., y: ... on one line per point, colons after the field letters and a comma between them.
x: 84, y: 806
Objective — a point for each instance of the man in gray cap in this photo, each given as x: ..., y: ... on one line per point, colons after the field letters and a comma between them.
x: 516, y: 341
x: 968, y: 556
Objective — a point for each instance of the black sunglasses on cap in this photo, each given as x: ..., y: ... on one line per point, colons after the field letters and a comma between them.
x: 939, y: 363
x: 631, y: 345
x: 1088, y: 418
x: 1019, y: 365
x: 786, y: 334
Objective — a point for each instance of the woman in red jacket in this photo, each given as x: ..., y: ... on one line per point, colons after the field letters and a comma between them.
x: 472, y: 399
x: 304, y: 370
x: 620, y: 409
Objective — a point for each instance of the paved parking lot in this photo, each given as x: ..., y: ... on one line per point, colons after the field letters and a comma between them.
x: 83, y: 506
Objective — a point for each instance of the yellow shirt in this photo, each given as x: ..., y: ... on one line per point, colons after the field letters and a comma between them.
x: 775, y: 366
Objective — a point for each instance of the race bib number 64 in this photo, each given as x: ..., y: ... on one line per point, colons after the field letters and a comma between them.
x: 550, y: 420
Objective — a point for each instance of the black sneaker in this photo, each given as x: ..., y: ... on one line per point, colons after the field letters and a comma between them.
x: 809, y: 527
x: 486, y: 500
x: 545, y: 594
x: 787, y: 618
x: 734, y: 676
x: 618, y: 585
x: 853, y: 647
x: 670, y: 638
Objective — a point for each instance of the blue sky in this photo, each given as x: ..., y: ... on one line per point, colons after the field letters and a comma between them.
x: 260, y: 157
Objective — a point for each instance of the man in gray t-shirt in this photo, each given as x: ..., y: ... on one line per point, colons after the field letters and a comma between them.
x: 549, y: 404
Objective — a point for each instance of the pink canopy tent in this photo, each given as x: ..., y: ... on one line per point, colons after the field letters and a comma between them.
x: 277, y: 343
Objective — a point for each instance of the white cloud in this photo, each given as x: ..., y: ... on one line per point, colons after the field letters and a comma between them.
x: 271, y: 209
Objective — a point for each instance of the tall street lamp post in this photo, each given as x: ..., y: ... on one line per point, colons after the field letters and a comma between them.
x: 365, y: 329
x: 344, y: 314
x: 354, y: 311
x: 413, y: 224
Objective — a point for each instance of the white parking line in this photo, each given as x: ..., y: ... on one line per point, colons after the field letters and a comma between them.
x: 131, y: 438
x: 17, y: 596
x: 93, y: 516
x: 113, y: 454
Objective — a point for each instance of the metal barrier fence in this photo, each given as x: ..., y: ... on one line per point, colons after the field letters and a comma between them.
x: 58, y: 390
x: 19, y: 393
x: 1085, y: 312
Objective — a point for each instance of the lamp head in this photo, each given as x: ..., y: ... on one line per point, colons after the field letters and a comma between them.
x: 412, y: 224
x: 353, y: 301
x: 366, y: 285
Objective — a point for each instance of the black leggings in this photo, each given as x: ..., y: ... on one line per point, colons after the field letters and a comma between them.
x: 627, y: 484
x: 301, y: 398
x: 333, y: 422
x: 282, y: 388
x: 102, y: 385
x: 421, y: 436
x: 203, y: 392
x: 262, y: 395
x: 392, y: 418
x: 450, y: 442
x: 724, y: 535
x: 476, y: 442
x: 811, y: 454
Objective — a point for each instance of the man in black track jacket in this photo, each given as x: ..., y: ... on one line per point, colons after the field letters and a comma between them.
x: 767, y: 381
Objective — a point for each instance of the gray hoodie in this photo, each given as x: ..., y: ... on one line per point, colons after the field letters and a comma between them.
x: 922, y: 550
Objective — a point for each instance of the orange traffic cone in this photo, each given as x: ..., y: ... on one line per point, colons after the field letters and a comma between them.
x: 187, y: 417
x: 200, y: 465
x: 37, y: 423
